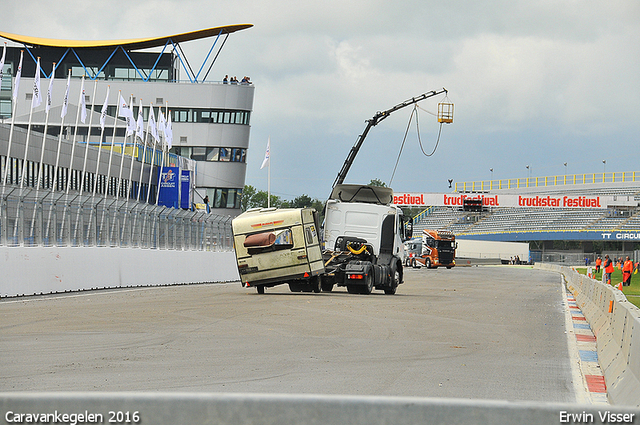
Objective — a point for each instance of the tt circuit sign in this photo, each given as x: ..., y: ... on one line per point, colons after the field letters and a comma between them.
x: 510, y: 200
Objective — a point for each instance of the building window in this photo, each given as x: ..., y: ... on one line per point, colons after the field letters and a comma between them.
x: 210, y: 116
x: 199, y: 153
x: 224, y: 197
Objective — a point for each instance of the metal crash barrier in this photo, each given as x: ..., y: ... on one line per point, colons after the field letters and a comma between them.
x: 256, y: 409
x: 35, y: 220
x: 616, y: 324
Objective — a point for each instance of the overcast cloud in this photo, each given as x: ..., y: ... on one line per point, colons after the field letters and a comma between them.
x: 536, y: 83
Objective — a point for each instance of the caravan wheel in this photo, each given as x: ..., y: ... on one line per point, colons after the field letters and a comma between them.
x: 316, y: 284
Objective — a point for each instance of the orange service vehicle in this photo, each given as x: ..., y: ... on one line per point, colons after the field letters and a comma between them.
x: 438, y: 249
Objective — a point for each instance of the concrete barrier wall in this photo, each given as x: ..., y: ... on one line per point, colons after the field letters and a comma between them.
x: 616, y: 324
x: 257, y: 409
x: 44, y: 270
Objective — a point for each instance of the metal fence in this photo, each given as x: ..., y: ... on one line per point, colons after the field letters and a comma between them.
x: 546, y: 181
x: 43, y: 218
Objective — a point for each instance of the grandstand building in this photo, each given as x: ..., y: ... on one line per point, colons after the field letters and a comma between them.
x: 593, y: 211
x: 210, y: 119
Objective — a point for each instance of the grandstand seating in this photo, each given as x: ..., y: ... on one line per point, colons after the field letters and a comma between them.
x: 514, y: 220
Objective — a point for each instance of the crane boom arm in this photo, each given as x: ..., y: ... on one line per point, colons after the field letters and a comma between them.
x: 379, y: 116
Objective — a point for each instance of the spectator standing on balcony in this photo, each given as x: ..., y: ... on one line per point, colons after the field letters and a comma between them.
x: 608, y: 269
x: 627, y: 269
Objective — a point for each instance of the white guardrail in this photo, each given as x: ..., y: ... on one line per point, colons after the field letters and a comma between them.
x: 616, y: 324
x: 258, y: 409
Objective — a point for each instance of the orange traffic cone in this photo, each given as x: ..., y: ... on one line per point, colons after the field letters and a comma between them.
x: 620, y: 286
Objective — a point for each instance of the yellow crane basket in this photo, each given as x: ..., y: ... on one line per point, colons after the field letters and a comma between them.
x: 445, y: 111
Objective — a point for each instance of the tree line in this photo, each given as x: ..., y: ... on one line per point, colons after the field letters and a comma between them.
x: 253, y: 198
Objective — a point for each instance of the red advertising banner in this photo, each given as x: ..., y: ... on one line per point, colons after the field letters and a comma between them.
x: 509, y: 200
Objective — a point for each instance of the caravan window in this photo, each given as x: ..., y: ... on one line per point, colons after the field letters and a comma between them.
x: 269, y: 241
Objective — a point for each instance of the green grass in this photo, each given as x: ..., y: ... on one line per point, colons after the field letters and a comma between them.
x: 632, y: 292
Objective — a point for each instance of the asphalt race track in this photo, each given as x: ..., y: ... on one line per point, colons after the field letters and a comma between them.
x: 469, y: 332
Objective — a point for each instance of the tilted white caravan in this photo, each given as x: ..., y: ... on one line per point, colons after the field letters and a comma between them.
x: 276, y: 246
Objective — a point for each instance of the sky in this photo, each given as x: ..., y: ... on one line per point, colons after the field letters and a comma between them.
x: 535, y: 84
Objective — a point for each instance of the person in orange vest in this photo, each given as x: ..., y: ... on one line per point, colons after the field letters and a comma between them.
x: 627, y: 269
x: 598, y: 264
x: 608, y: 269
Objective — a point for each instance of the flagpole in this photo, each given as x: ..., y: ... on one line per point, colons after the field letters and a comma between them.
x: 75, y: 136
x: 35, y: 101
x: 73, y: 149
x: 44, y: 140
x: 103, y: 115
x: 86, y: 154
x: 26, y: 145
x: 154, y: 134
x: 134, y: 146
x: 153, y: 154
x: 130, y: 184
x: 124, y: 144
x: 144, y: 158
x: 163, y: 158
x: 122, y: 154
x: 86, y: 146
x: 63, y: 113
x: 4, y: 54
x: 144, y: 153
x: 13, y: 114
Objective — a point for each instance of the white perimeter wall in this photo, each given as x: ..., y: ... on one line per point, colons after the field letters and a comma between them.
x: 469, y: 248
x: 43, y: 270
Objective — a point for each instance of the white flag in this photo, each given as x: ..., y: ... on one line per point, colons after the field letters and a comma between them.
x: 140, y: 123
x: 162, y: 123
x: 267, y: 155
x: 126, y: 112
x: 4, y: 54
x: 49, y: 91
x: 83, y: 104
x: 105, y: 105
x: 36, y: 100
x: 131, y: 124
x: 15, y: 90
x: 152, y: 124
x: 168, y: 131
x: 65, y: 101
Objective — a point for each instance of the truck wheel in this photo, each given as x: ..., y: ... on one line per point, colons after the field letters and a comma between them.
x: 414, y: 265
x: 390, y: 291
x: 395, y: 281
x: 427, y: 263
x: 260, y: 289
x: 369, y: 284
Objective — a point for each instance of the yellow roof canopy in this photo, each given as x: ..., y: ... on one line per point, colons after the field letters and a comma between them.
x: 131, y: 44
